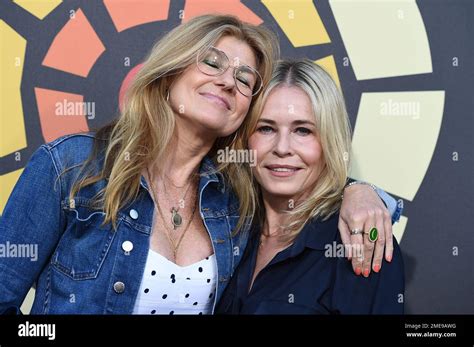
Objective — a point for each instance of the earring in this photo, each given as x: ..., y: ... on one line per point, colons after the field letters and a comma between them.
x: 168, y: 95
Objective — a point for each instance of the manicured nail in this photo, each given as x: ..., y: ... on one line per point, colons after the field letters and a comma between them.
x: 389, y: 258
x: 358, y: 271
x: 376, y: 268
x: 366, y: 273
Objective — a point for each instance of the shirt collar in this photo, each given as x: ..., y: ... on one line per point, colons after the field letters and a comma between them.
x: 209, y: 173
x: 316, y: 234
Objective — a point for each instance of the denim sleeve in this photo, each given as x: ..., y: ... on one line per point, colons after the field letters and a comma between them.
x: 30, y: 228
x: 394, y: 207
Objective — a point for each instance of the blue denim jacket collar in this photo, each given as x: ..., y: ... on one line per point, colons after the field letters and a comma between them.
x: 210, y: 173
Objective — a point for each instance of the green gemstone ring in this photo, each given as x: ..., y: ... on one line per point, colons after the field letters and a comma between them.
x: 373, y: 234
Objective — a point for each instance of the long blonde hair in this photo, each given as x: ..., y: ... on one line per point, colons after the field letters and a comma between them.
x: 333, y: 130
x: 146, y: 123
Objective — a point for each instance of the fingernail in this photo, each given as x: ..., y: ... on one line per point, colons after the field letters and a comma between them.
x: 376, y: 268
x: 358, y: 271
x: 366, y: 273
x: 389, y: 258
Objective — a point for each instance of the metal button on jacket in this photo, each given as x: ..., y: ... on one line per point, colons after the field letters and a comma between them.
x: 119, y: 287
x: 133, y: 214
x: 127, y: 246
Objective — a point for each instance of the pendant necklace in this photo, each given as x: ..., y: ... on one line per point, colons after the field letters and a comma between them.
x: 174, y: 245
x: 176, y: 218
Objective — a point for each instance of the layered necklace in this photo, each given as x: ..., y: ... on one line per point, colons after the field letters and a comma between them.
x: 176, y: 218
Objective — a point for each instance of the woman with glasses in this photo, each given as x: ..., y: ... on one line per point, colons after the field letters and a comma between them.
x: 293, y: 263
x: 139, y: 217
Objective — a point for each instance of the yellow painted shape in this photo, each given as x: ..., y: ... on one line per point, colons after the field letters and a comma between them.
x: 394, y: 139
x: 383, y: 38
x: 399, y: 228
x: 38, y: 8
x: 299, y: 20
x: 7, y: 182
x: 12, y: 57
x: 328, y: 64
x: 28, y: 302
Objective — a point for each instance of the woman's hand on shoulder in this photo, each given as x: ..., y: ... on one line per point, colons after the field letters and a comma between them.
x: 361, y: 211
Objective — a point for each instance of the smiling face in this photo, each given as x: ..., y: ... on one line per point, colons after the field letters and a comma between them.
x: 212, y: 104
x: 289, y: 153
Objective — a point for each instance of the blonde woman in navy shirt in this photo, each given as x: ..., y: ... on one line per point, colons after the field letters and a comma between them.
x: 300, y: 132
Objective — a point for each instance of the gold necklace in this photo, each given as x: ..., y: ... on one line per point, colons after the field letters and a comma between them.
x: 176, y: 218
x: 168, y: 234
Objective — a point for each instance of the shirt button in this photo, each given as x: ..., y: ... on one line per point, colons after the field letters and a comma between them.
x: 127, y: 246
x: 133, y: 214
x: 119, y: 287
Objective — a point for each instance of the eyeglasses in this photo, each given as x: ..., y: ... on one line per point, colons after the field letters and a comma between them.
x: 214, y: 62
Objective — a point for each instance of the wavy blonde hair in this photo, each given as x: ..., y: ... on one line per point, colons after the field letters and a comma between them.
x: 146, y: 123
x: 334, y: 133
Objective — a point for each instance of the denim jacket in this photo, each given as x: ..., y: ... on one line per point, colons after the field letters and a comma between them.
x: 81, y: 267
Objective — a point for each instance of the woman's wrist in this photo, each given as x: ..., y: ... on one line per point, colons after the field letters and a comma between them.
x: 358, y: 182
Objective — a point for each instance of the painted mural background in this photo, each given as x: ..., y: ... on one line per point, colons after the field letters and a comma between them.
x: 405, y: 68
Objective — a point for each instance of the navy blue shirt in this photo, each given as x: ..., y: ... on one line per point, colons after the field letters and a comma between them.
x: 312, y: 276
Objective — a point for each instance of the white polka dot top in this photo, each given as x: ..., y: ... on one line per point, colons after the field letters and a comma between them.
x: 168, y: 288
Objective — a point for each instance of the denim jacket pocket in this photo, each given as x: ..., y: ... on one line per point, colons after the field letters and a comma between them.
x: 85, y: 244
